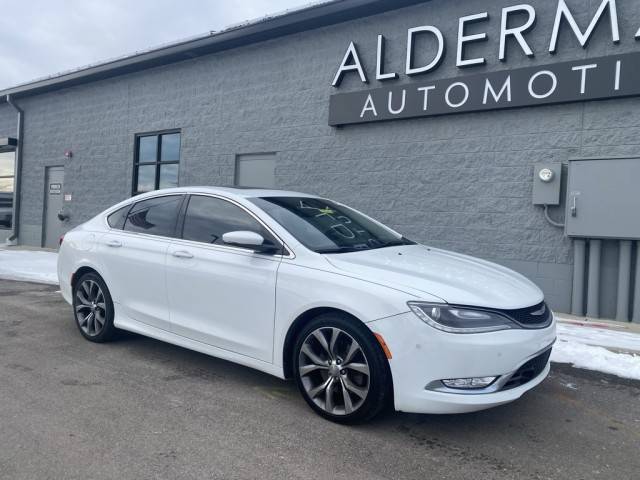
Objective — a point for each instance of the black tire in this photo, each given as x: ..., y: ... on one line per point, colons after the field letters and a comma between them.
x: 378, y: 384
x: 90, y: 302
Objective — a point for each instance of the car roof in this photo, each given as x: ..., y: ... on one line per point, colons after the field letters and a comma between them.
x: 242, y: 192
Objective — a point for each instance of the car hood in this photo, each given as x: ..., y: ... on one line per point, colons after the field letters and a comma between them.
x: 455, y: 278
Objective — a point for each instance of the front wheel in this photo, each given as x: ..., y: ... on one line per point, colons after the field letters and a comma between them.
x: 341, y: 370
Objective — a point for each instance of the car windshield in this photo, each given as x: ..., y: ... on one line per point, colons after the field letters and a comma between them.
x: 328, y: 227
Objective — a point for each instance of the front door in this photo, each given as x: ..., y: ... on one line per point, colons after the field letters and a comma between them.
x: 221, y: 295
x: 53, y: 226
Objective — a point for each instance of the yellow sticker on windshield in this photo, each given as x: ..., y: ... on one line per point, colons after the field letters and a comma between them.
x: 326, y: 211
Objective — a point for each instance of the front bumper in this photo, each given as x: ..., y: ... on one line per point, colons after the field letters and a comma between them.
x: 422, y: 356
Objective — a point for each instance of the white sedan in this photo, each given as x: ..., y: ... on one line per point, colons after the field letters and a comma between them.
x: 303, y: 287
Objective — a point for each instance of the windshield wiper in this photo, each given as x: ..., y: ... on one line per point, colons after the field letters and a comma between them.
x: 396, y: 243
x: 346, y: 249
x: 341, y: 250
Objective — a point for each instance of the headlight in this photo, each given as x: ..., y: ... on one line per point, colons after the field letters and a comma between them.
x: 454, y: 319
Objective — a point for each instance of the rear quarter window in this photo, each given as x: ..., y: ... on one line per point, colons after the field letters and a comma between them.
x: 117, y: 218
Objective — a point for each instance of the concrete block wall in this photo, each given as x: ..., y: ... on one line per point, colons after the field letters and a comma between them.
x: 8, y: 119
x: 459, y: 182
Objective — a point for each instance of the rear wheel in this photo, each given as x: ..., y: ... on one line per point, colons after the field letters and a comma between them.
x: 341, y: 370
x: 93, y: 308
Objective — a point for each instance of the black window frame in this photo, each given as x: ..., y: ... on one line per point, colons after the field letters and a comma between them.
x: 158, y: 162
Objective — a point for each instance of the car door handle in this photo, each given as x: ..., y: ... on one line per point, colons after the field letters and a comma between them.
x: 114, y: 243
x: 182, y: 254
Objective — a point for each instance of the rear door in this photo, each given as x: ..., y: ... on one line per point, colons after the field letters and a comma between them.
x: 134, y: 257
x: 221, y: 295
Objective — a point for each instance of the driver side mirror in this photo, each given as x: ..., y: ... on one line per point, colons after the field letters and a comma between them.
x: 251, y: 240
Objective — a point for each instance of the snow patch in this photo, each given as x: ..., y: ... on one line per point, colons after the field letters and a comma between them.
x: 602, y: 337
x: 29, y: 266
x: 586, y: 347
x: 600, y: 359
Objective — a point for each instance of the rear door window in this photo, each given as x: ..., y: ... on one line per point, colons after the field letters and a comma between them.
x: 155, y: 216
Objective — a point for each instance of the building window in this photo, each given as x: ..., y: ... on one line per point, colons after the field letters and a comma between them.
x: 256, y: 170
x: 7, y: 168
x: 156, y: 163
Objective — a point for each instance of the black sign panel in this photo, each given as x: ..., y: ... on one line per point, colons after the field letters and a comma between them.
x: 590, y: 79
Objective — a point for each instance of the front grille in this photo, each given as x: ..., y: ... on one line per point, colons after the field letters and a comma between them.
x: 538, y: 316
x: 528, y: 371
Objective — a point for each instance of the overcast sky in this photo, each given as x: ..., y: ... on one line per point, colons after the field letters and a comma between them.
x: 42, y: 37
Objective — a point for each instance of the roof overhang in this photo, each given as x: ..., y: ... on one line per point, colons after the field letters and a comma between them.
x: 308, y: 18
x: 8, y: 144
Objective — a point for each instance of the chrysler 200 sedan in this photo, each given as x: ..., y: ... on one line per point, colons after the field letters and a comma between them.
x: 307, y: 288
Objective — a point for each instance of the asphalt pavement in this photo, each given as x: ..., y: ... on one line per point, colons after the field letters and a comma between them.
x: 137, y: 408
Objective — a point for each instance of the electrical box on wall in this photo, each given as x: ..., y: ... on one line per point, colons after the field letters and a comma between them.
x: 547, y: 178
x: 603, y: 198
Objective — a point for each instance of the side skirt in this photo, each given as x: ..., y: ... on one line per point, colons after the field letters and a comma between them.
x: 125, y: 323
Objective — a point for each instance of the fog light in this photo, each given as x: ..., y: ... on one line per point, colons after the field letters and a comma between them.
x: 468, y: 383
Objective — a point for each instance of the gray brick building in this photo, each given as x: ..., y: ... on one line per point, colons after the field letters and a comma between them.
x: 259, y: 95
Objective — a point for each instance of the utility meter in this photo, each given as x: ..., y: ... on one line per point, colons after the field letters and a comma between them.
x: 546, y: 175
x: 546, y: 184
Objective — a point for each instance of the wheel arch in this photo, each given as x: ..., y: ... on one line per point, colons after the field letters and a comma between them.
x: 80, y: 272
x: 296, y: 327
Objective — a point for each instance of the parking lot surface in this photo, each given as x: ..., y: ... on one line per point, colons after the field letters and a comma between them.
x: 138, y: 408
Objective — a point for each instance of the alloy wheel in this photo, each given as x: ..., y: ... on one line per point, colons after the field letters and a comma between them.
x: 334, y: 370
x: 91, y: 310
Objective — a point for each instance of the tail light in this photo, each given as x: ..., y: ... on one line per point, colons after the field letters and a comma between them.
x: 61, y: 239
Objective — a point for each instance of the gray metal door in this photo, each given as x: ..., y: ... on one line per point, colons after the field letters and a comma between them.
x: 53, y: 227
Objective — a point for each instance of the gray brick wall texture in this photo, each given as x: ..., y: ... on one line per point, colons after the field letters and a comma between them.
x: 460, y: 182
x: 7, y: 121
